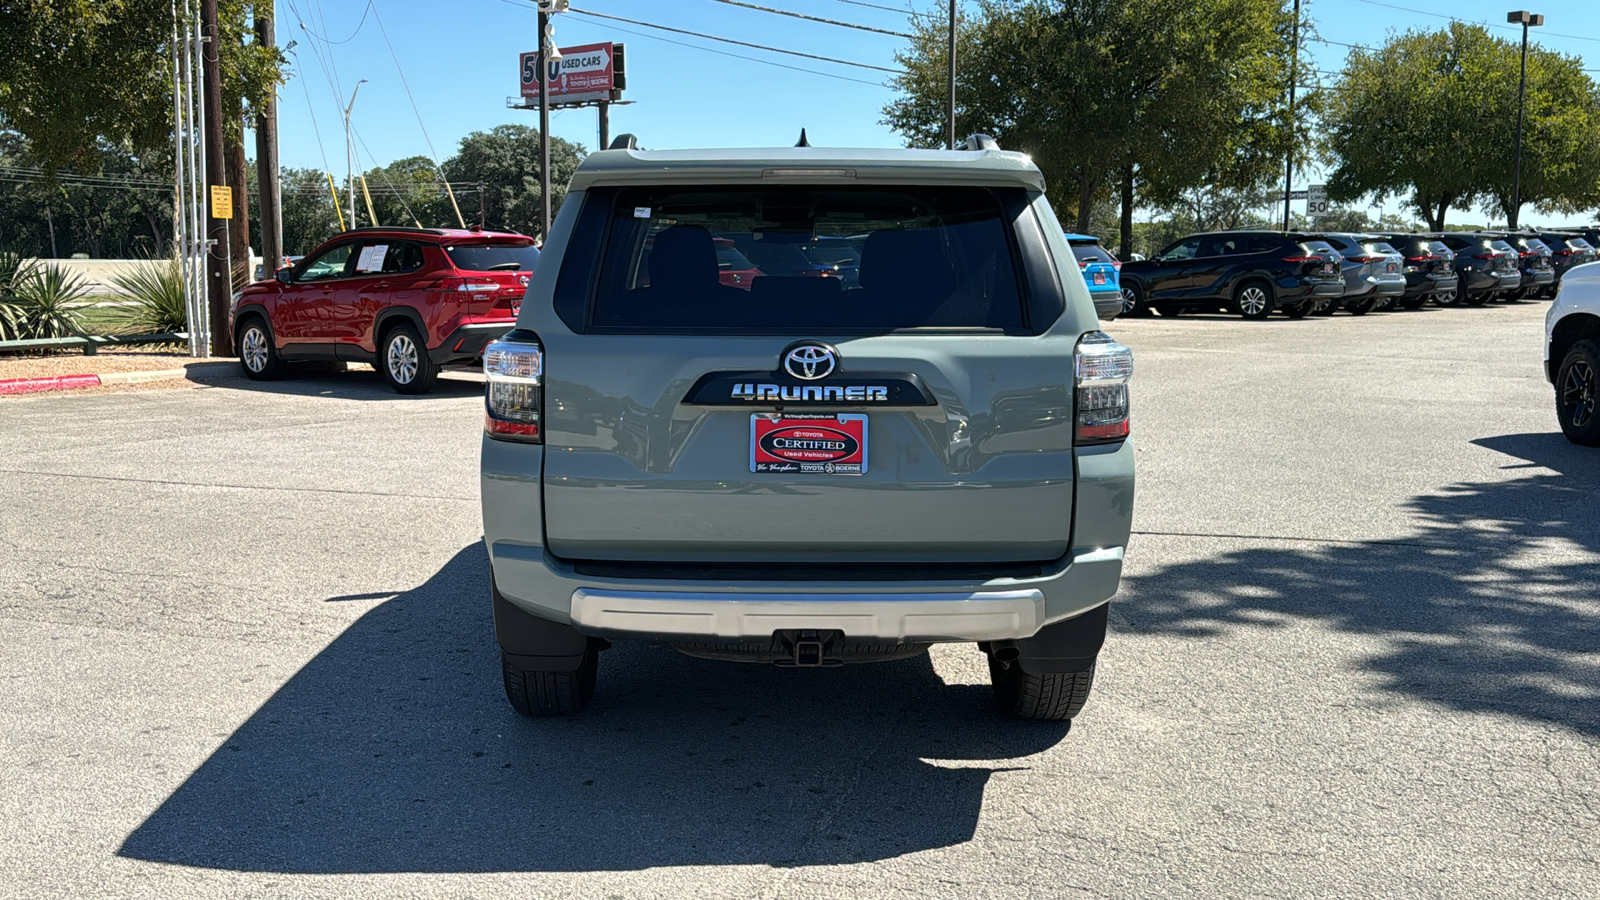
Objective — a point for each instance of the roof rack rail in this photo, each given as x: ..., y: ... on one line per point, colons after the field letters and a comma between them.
x: 624, y: 141
x: 981, y: 142
x: 406, y: 228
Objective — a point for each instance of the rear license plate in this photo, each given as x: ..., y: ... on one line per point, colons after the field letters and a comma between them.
x: 1327, y: 268
x: 1099, y: 278
x: 809, y: 444
x: 1390, y: 268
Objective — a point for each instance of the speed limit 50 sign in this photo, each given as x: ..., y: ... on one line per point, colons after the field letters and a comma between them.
x: 1316, y: 200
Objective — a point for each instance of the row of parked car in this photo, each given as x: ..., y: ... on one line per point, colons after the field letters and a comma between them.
x: 1257, y: 273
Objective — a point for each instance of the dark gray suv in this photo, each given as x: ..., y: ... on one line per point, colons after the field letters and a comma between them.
x: 800, y: 469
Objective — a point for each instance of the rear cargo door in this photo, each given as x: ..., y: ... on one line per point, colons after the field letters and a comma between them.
x: 913, y: 414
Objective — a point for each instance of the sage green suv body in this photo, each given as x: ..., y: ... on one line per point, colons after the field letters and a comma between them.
x: 797, y: 467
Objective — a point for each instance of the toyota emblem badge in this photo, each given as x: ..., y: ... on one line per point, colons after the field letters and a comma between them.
x: 810, y: 361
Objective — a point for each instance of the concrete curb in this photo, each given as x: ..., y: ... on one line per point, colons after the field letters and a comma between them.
x: 194, y: 372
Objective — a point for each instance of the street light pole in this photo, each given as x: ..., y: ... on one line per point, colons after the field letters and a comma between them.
x: 1525, y: 19
x: 950, y: 118
x: 1294, y: 75
x: 350, y: 154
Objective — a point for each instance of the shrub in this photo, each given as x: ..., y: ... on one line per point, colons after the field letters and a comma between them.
x: 42, y: 303
x: 155, y: 290
x: 10, y: 268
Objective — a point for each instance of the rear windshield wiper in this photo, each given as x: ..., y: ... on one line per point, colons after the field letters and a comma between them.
x: 510, y: 266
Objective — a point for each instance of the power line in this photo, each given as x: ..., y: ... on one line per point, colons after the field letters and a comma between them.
x: 712, y: 37
x: 784, y: 12
x: 875, y: 6
x: 754, y: 59
x: 1423, y: 12
x: 353, y: 34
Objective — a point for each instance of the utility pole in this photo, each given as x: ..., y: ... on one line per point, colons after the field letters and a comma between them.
x: 1294, y: 75
x: 545, y: 48
x: 1525, y: 19
x: 950, y: 117
x: 219, y: 281
x: 267, y: 172
x: 350, y: 154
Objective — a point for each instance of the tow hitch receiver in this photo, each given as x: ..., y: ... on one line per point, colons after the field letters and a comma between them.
x: 807, y: 649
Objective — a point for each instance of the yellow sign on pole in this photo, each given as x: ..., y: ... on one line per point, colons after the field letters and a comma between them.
x: 221, y: 201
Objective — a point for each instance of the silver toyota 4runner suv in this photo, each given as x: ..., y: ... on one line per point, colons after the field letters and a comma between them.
x: 806, y: 407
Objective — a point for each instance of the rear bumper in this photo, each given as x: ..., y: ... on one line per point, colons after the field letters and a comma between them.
x: 1293, y: 290
x: 1538, y: 278
x: 1389, y: 285
x: 1107, y: 303
x: 468, y: 341
x: 949, y: 609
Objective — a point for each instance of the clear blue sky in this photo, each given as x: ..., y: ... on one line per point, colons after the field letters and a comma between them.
x: 460, y: 59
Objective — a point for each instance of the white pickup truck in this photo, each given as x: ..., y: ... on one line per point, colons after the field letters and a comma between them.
x: 1572, y: 354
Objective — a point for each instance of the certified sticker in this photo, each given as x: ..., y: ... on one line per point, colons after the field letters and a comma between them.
x: 809, y: 445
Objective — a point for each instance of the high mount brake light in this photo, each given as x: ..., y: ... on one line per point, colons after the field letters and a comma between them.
x: 1102, y: 369
x: 514, y: 395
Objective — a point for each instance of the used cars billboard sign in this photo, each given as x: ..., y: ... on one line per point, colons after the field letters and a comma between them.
x: 584, y: 72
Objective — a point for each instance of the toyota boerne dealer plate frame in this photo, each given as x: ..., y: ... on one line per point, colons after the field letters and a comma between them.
x: 808, y: 444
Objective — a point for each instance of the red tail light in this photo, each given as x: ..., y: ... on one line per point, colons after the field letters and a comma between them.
x: 1116, y: 264
x: 1483, y: 256
x: 514, y: 396
x: 1103, y: 368
x: 1363, y: 259
x: 1301, y: 259
x: 1418, y: 258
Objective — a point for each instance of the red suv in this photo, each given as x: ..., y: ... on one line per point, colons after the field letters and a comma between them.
x: 405, y: 300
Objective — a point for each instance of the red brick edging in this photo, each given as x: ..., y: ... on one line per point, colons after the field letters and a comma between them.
x: 50, y: 383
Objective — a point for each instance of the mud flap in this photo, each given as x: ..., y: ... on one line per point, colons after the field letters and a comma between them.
x: 1069, y: 646
x: 535, y: 643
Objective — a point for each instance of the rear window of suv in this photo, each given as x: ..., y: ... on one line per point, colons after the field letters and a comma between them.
x: 493, y: 257
x: 1090, y: 253
x: 929, y: 257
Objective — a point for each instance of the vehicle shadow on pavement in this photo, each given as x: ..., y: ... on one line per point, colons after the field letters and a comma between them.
x: 355, y: 384
x: 394, y: 750
x: 1470, y: 621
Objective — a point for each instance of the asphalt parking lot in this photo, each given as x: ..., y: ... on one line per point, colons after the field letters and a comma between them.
x: 1356, y: 654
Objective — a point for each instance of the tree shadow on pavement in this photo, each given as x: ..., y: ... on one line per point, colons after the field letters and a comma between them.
x: 394, y: 751
x: 1492, y: 606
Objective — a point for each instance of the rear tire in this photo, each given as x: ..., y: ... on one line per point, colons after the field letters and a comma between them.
x: 1413, y: 302
x: 1133, y: 301
x: 1477, y: 299
x: 403, y: 361
x: 1578, y: 394
x: 1298, y: 310
x: 534, y: 692
x: 257, y: 356
x: 1361, y: 307
x: 1447, y: 299
x: 1052, y: 696
x: 1253, y: 300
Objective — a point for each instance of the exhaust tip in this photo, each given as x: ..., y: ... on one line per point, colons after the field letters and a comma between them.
x: 1006, y: 653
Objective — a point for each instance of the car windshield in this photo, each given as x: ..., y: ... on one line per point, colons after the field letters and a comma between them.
x: 1313, y: 248
x: 1578, y: 243
x: 832, y: 252
x: 930, y: 257
x: 1502, y: 246
x: 1440, y: 248
x: 1090, y: 253
x: 1378, y: 247
x: 729, y: 257
x: 493, y: 257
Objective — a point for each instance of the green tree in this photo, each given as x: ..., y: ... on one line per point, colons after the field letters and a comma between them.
x: 1430, y: 117
x: 76, y: 75
x: 505, y: 161
x: 1155, y: 96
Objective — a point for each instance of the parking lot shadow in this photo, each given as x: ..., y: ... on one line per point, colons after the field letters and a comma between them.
x: 1493, y: 605
x: 394, y: 751
x: 362, y: 383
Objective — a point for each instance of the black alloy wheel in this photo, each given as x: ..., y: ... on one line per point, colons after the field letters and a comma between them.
x: 1578, y: 394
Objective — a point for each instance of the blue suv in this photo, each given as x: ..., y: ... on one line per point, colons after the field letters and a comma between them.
x: 1101, y: 273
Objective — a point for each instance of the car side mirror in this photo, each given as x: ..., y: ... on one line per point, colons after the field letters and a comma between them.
x: 284, y: 275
